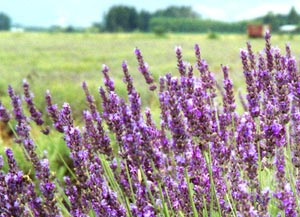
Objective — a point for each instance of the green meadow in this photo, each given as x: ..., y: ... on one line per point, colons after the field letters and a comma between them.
x: 60, y: 62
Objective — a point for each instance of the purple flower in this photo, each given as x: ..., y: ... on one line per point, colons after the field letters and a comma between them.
x: 72, y: 193
x: 144, y: 69
x: 17, y: 105
x: 251, y: 58
x: 53, y: 112
x: 95, y: 135
x: 36, y: 115
x: 127, y: 78
x: 4, y: 114
x: 228, y: 98
x: 252, y: 90
x: 268, y: 51
x: 108, y: 82
x: 180, y: 64
x: 197, y: 53
x: 91, y: 101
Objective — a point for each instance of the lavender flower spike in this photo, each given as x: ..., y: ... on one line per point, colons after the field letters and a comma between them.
x: 127, y: 78
x: 229, y: 101
x: 252, y: 91
x: 36, y: 115
x: 4, y: 114
x: 144, y: 69
x: 197, y: 53
x: 180, y: 63
x: 17, y: 105
x: 53, y: 112
x: 268, y: 51
x: 108, y: 82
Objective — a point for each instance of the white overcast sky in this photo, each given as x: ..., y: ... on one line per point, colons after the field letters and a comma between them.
x: 85, y: 12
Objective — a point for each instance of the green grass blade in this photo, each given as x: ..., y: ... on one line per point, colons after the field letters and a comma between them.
x: 191, y: 193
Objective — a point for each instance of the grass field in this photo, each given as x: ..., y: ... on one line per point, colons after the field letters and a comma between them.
x: 60, y: 62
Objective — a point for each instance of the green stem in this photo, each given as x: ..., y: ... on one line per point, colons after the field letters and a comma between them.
x: 165, y: 207
x: 213, y: 188
x: 130, y: 183
x: 191, y: 193
x: 205, y: 212
x: 147, y: 186
x: 114, y: 184
x: 66, y: 165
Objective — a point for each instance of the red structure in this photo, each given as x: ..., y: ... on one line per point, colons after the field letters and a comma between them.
x: 257, y: 30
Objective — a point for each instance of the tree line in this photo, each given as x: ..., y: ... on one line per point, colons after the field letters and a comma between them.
x: 184, y: 19
x: 126, y: 18
x: 122, y: 18
x: 5, y: 22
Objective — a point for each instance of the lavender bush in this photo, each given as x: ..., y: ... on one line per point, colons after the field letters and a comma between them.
x: 202, y: 159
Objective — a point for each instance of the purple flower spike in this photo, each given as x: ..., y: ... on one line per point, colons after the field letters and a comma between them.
x: 252, y: 91
x: 17, y: 105
x: 229, y: 101
x: 96, y: 136
x: 268, y: 51
x: 91, y: 101
x: 180, y: 64
x: 65, y: 116
x: 251, y: 57
x: 36, y: 115
x: 244, y: 58
x: 127, y: 78
x: 197, y: 53
x: 11, y: 160
x: 53, y: 112
x: 144, y: 69
x: 108, y: 82
x: 247, y: 149
x: 4, y: 114
x: 72, y: 192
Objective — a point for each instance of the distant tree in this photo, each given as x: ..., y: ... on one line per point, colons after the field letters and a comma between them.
x: 56, y: 28
x: 97, y: 27
x: 272, y: 19
x: 5, y: 22
x: 176, y: 12
x: 121, y: 18
x: 293, y: 16
x: 172, y: 24
x: 143, y: 20
x: 70, y: 29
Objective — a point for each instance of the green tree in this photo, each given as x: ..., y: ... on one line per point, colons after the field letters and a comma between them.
x: 5, y: 22
x: 143, y: 21
x: 157, y: 24
x: 96, y: 27
x: 70, y: 29
x: 293, y: 16
x: 177, y: 12
x: 272, y: 19
x: 121, y: 18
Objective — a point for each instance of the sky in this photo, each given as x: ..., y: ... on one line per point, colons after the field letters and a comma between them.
x: 82, y: 13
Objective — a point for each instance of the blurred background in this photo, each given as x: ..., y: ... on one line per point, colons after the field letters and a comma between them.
x: 147, y: 16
